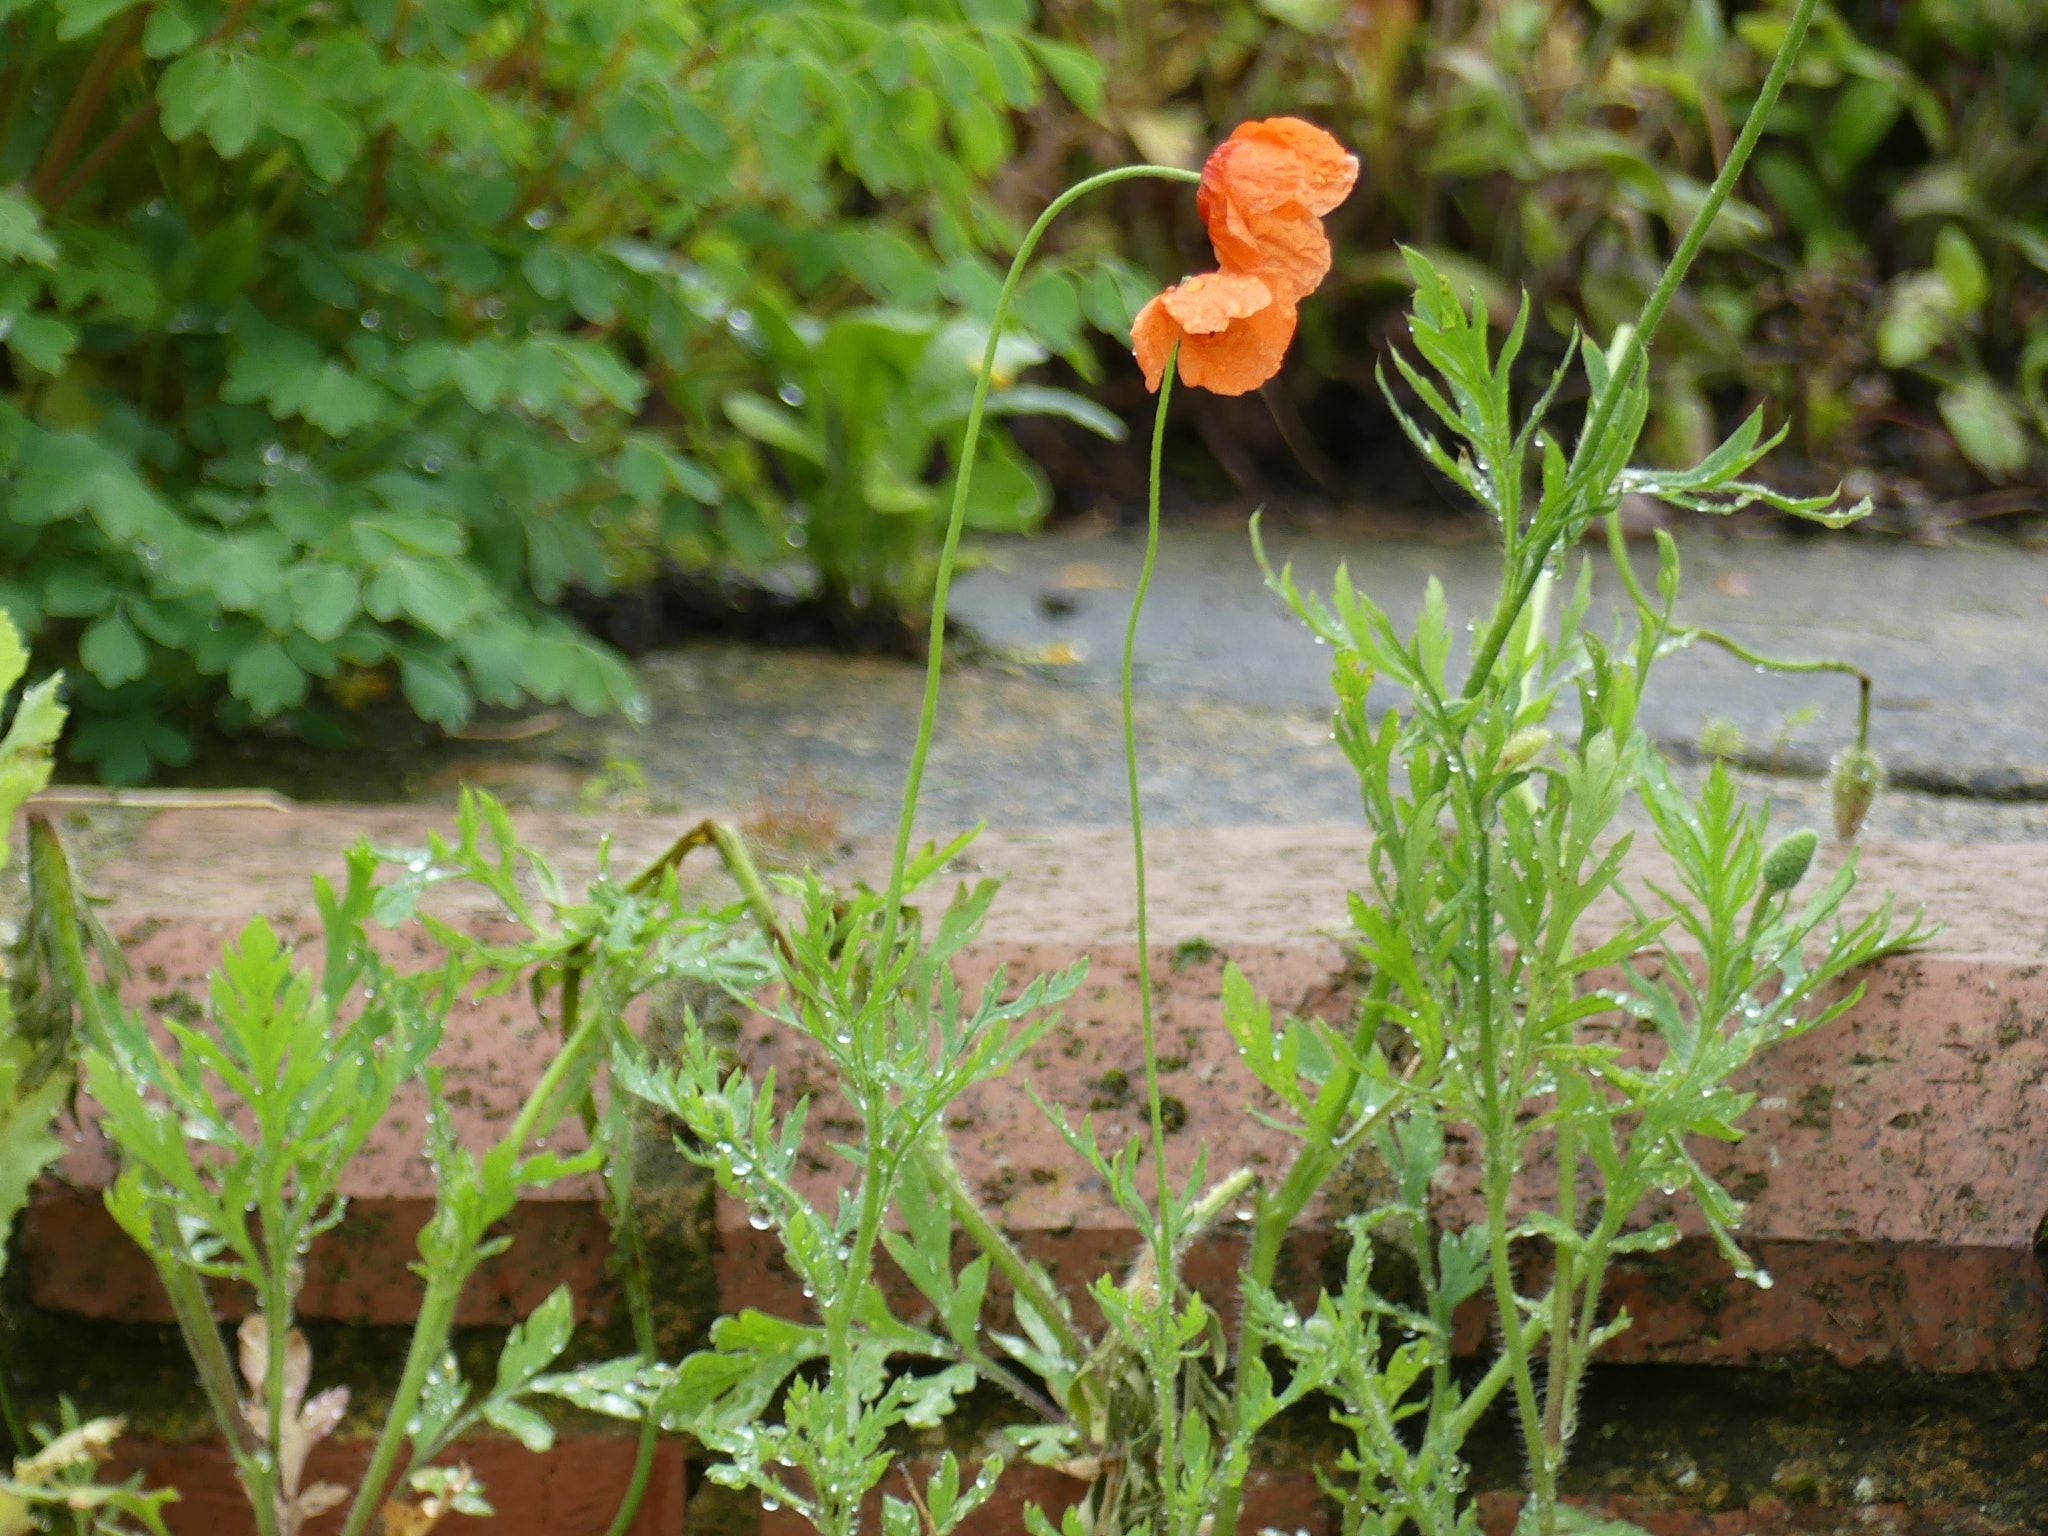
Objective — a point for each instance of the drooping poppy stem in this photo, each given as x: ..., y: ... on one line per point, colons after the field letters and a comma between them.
x: 929, y: 712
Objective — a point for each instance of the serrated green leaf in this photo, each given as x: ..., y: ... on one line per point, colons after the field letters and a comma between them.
x: 111, y: 650
x: 267, y: 679
x: 38, y: 340
x: 21, y: 230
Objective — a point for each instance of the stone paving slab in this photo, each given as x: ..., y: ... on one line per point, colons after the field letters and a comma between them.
x: 1952, y: 637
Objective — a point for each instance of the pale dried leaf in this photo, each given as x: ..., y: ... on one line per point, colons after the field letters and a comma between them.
x: 90, y: 1442
x: 317, y: 1500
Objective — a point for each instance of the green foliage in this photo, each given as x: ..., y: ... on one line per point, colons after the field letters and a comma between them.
x: 903, y: 1042
x: 59, y: 1476
x: 866, y: 432
x: 344, y: 341
x: 36, y: 1074
x: 234, y: 1132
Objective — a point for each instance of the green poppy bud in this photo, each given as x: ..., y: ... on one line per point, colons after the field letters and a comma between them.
x: 1854, y: 778
x: 1786, y: 862
x: 1523, y: 747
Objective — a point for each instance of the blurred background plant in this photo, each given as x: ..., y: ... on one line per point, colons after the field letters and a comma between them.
x: 340, y: 348
x: 337, y: 344
x: 1882, y: 284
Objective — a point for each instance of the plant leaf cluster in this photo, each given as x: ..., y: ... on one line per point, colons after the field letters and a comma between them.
x: 337, y: 345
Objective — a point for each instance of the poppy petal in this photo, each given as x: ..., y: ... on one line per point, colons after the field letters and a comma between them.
x: 1280, y: 160
x: 1153, y: 334
x: 1242, y: 356
x: 1207, y: 305
x: 1287, y: 249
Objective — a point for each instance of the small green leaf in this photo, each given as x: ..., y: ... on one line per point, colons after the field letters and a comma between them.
x: 266, y: 679
x: 111, y: 650
x: 1986, y: 427
x: 21, y: 231
x: 324, y: 598
x: 434, y: 690
x: 1956, y: 259
x: 38, y: 340
x: 773, y: 424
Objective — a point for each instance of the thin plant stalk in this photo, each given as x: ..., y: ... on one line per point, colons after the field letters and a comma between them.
x: 956, y: 520
x: 1617, y: 550
x: 1162, y: 1234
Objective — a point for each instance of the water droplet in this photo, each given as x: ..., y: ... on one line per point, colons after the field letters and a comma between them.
x: 740, y: 321
x: 771, y: 1505
x: 791, y: 395
x: 372, y: 319
x: 538, y: 218
x: 1763, y: 1280
x: 760, y: 1221
x: 1244, y: 1213
x: 431, y: 464
x: 273, y: 453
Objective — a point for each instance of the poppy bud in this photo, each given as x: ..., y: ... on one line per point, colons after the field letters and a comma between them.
x: 1786, y: 861
x: 1523, y: 747
x: 1854, y: 778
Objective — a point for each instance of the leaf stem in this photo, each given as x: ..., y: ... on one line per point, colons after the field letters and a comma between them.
x: 1617, y: 549
x: 444, y: 1289
x: 86, y: 100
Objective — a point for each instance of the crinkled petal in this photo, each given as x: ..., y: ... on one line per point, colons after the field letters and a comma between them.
x: 1242, y: 356
x: 1207, y: 304
x: 1287, y: 249
x: 1269, y: 164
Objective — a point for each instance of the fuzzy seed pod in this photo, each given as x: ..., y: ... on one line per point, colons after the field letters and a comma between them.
x: 1787, y: 859
x: 1854, y: 778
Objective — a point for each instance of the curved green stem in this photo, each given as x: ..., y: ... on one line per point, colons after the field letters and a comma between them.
x: 1617, y: 549
x: 957, y: 520
x: 1592, y: 441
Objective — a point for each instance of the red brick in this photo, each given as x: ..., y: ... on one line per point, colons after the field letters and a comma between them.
x: 572, y: 1490
x: 1899, y: 1217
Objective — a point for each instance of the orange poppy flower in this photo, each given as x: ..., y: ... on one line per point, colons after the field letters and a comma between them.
x: 1264, y: 191
x: 1233, y: 330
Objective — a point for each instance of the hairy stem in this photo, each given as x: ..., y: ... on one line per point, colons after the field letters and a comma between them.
x: 1027, y: 1281
x: 1164, y: 1192
x: 1164, y: 1381
x: 429, y: 1339
x: 444, y: 1289
x: 193, y: 1309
